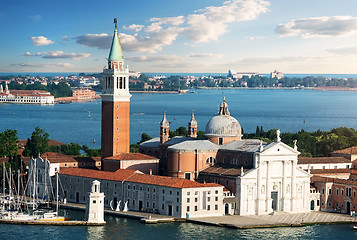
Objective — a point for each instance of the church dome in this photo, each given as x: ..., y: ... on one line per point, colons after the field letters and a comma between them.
x: 223, y: 125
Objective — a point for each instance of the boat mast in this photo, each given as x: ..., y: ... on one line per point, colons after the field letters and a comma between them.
x: 18, y: 187
x: 57, y: 192
x: 3, y: 179
x: 34, y: 185
x: 10, y: 183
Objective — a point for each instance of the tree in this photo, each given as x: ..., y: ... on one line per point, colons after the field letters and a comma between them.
x: 37, y: 144
x: 8, y: 143
x: 91, y: 152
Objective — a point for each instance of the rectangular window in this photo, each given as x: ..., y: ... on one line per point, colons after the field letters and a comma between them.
x: 216, y: 199
x: 177, y: 208
x: 329, y: 191
x: 196, y: 199
x: 188, y: 208
x: 163, y: 207
x: 188, y: 200
x: 216, y: 207
x: 196, y: 208
x: 208, y: 207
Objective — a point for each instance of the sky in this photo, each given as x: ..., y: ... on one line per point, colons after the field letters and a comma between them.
x: 198, y: 36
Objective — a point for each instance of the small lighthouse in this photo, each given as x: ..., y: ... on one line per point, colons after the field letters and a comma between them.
x: 95, y: 206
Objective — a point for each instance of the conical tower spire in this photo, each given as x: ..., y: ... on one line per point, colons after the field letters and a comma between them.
x: 116, y: 53
x: 164, y: 122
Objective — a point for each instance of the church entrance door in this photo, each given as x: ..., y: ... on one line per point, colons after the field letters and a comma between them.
x: 312, y: 205
x: 226, y: 209
x: 348, y: 207
x: 170, y: 210
x: 274, y: 203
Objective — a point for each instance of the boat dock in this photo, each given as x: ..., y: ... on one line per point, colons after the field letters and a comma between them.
x: 144, y: 217
x: 275, y: 220
x: 52, y: 223
x: 237, y: 221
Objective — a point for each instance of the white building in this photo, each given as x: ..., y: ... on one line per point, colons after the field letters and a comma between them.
x: 324, y: 163
x: 25, y: 96
x: 143, y: 192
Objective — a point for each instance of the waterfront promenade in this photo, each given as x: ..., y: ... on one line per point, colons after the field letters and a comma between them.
x: 276, y: 220
x: 236, y: 221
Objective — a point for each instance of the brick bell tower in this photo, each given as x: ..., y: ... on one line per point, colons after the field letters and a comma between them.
x: 115, y: 102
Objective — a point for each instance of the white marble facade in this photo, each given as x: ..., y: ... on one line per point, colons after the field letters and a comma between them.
x: 275, y: 183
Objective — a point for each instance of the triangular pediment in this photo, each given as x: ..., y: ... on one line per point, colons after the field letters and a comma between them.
x: 279, y: 148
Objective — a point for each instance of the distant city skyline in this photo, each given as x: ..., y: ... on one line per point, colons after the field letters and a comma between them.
x: 181, y: 36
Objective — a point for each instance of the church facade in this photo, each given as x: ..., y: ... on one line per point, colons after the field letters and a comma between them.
x: 263, y: 178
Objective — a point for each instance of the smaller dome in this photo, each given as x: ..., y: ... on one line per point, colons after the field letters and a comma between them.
x: 223, y: 126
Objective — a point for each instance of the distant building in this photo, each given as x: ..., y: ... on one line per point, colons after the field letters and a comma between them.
x: 25, y: 96
x: 276, y: 74
x: 88, y: 81
x: 83, y: 94
x: 238, y: 75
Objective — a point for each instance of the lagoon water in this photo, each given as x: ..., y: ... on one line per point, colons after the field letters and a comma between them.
x: 288, y: 110
x: 123, y: 228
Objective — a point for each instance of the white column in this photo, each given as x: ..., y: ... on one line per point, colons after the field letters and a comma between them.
x: 293, y: 185
x: 268, y: 206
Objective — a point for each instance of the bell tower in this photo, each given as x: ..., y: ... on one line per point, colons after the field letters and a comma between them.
x: 164, y: 129
x: 115, y: 102
x: 192, y: 126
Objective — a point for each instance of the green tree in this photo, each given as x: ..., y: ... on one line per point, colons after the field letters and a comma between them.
x: 8, y: 143
x: 91, y: 152
x: 37, y: 144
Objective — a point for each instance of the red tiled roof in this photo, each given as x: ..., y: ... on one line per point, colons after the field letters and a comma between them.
x: 98, y: 174
x: 223, y: 170
x: 168, y: 181
x: 333, y: 180
x: 135, y: 177
x: 330, y: 171
x: 131, y: 156
x: 320, y: 160
x: 350, y: 150
x: 54, y: 157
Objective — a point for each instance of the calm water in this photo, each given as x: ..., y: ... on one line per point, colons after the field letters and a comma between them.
x: 123, y: 228
x: 288, y: 110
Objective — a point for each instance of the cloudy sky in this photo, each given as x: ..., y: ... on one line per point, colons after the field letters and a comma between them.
x: 211, y: 36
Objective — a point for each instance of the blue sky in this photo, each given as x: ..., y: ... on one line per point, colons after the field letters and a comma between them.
x: 301, y: 36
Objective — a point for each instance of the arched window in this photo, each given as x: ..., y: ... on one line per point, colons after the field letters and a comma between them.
x: 211, y: 160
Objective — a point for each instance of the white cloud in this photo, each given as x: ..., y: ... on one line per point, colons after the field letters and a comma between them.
x: 41, y: 65
x: 152, y: 43
x: 65, y: 38
x: 252, y: 38
x: 134, y: 27
x: 36, y: 17
x: 175, y: 21
x: 319, y: 27
x: 205, y: 55
x: 60, y: 54
x: 343, y: 50
x: 156, y: 58
x: 212, y: 22
x: 27, y: 54
x: 206, y: 25
x: 101, y: 40
x: 41, y: 40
